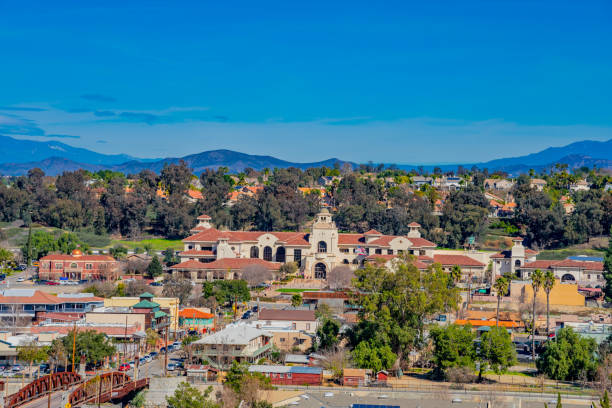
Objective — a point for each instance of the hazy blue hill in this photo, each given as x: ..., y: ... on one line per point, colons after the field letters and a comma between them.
x: 25, y: 151
x: 51, y: 166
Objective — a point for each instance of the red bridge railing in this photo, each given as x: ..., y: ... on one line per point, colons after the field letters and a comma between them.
x: 106, y: 387
x: 41, y: 387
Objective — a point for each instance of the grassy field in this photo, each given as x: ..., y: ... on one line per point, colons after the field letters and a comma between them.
x: 157, y: 244
x: 291, y: 290
x: 559, y: 254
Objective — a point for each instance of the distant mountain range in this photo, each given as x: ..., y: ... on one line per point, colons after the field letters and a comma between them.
x: 54, y: 157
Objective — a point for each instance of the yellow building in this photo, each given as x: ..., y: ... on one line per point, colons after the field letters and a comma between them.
x: 165, y: 303
x: 562, y: 294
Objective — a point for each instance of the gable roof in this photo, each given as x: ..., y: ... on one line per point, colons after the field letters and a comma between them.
x: 290, y: 315
x: 566, y: 263
x: 461, y: 260
x: 191, y: 313
x: 64, y: 257
x: 234, y: 334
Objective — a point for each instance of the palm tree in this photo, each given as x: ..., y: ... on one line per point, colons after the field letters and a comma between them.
x: 501, y: 287
x: 537, y: 279
x: 455, y: 274
x: 548, y: 284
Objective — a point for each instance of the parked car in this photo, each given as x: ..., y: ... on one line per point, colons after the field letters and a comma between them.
x: 20, y: 279
x: 16, y: 368
x: 51, y: 283
x: 124, y: 367
x: 153, y: 354
x: 156, y: 284
x: 171, y: 367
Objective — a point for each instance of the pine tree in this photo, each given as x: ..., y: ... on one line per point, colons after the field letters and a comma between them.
x: 155, y: 268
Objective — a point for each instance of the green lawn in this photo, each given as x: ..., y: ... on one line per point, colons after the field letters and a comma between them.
x: 157, y: 244
x: 292, y: 290
x: 559, y: 254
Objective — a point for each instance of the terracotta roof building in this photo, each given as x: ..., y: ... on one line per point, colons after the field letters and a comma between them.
x: 213, y: 254
x: 78, y: 266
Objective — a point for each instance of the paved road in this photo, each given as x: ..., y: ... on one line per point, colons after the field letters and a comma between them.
x: 318, y: 399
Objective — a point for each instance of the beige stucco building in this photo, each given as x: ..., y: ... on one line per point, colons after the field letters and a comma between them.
x: 169, y: 305
x: 212, y: 254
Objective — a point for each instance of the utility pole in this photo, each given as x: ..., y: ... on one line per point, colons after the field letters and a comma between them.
x: 73, y: 344
x: 166, y: 352
x: 49, y: 393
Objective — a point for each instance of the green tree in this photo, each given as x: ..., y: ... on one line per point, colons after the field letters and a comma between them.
x: 501, y: 287
x: 57, y: 354
x: 118, y: 251
x: 537, y: 279
x: 91, y: 344
x: 394, y: 303
x: 41, y: 243
x: 288, y: 268
x: 453, y: 347
x: 152, y: 337
x: 327, y: 334
x: 227, y: 291
x: 604, y: 402
x: 496, y: 350
x: 372, y: 356
x: 569, y: 357
x: 236, y: 375
x: 548, y: 284
x: 32, y: 353
x: 296, y: 300
x: 608, y: 270
x: 155, y: 268
x: 186, y: 396
x: 455, y: 274
x: 6, y: 256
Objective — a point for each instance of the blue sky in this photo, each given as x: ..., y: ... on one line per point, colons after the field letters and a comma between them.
x: 402, y: 82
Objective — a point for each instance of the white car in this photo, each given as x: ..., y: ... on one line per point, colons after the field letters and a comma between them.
x: 20, y: 279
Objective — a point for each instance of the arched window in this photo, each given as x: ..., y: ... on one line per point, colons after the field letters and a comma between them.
x: 355, y: 261
x: 73, y: 265
x: 280, y: 254
x: 568, y: 277
x: 267, y: 254
x: 322, y: 246
x: 254, y: 252
x: 345, y: 261
x: 320, y: 271
x: 517, y: 262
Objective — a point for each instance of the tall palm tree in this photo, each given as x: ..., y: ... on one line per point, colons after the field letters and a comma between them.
x: 537, y: 279
x: 501, y: 287
x: 455, y: 274
x: 548, y: 284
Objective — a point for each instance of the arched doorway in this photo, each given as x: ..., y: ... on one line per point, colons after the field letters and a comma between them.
x: 320, y: 271
x: 322, y: 246
x: 280, y: 254
x: 254, y: 252
x: 568, y: 277
x: 267, y: 255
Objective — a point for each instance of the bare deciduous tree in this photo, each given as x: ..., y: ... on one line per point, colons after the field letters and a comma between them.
x: 136, y: 287
x: 256, y: 275
x: 334, y: 360
x: 340, y: 277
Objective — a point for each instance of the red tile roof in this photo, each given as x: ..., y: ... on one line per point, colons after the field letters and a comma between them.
x: 64, y: 257
x: 204, y: 217
x: 566, y: 263
x: 372, y: 232
x: 421, y: 242
x: 351, y: 239
x: 195, y: 252
x: 213, y: 235
x: 227, y: 263
x: 43, y: 298
x: 461, y: 260
x: 414, y: 224
x: 325, y: 295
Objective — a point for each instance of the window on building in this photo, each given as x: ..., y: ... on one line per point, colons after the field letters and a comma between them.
x: 281, y: 254
x: 355, y: 261
x: 288, y: 376
x: 297, y: 257
x: 378, y: 251
x: 322, y: 247
x: 367, y: 251
x: 267, y: 254
x: 389, y: 252
x: 88, y: 266
x: 281, y: 375
x: 59, y: 266
x: 282, y: 339
x: 345, y: 261
x: 307, y: 326
x: 73, y: 265
x: 344, y: 250
x: 293, y: 326
x: 400, y: 251
x: 254, y: 252
x: 320, y: 271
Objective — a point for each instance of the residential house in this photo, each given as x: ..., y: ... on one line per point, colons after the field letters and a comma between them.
x: 418, y: 181
x: 237, y: 342
x: 498, y: 184
x: 289, y: 375
x: 303, y: 320
x: 580, y: 185
x: 354, y: 377
x: 538, y: 184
